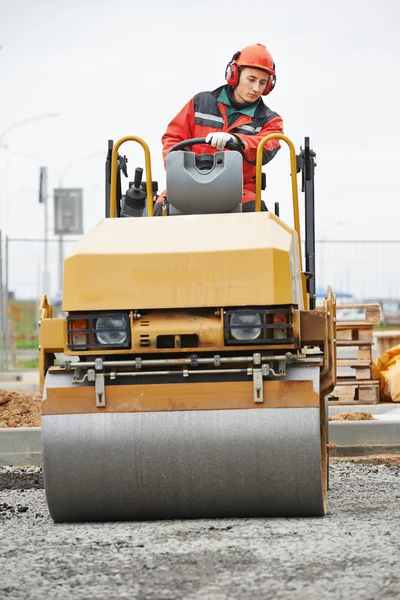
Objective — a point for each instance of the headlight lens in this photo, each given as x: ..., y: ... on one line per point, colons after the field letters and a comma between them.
x: 111, y: 331
x: 245, y: 326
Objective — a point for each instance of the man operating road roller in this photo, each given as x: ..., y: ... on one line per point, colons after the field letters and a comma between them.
x: 234, y: 112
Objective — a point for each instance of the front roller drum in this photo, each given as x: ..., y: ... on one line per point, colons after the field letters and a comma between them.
x: 184, y: 464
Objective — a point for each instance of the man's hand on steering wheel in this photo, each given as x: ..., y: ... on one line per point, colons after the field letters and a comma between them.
x: 231, y: 142
x: 219, y: 139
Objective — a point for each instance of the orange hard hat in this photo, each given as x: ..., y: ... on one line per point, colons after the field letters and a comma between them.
x: 255, y: 56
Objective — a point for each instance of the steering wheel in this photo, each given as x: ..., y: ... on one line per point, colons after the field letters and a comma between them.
x: 235, y: 146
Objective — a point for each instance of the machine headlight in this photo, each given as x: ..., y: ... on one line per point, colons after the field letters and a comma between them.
x: 111, y: 331
x: 245, y: 326
x: 90, y: 330
x: 259, y: 325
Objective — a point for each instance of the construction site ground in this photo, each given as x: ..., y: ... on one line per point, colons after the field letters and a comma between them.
x: 352, y: 552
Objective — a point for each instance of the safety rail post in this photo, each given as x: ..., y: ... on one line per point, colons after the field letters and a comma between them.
x: 108, y: 177
x: 307, y: 158
x: 293, y: 170
x: 114, y: 171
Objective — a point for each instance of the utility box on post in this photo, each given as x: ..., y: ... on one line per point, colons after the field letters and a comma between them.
x: 68, y: 213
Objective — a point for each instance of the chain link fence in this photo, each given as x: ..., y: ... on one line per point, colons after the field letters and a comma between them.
x: 363, y: 269
x: 29, y: 268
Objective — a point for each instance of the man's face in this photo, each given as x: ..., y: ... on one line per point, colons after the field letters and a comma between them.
x: 252, y: 83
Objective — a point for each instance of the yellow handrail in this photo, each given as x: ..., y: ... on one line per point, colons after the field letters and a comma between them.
x: 293, y: 170
x: 114, y: 171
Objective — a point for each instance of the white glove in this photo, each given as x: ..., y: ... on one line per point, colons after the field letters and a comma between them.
x: 219, y: 139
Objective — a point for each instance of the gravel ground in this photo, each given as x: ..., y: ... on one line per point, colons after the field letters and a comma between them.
x: 352, y: 553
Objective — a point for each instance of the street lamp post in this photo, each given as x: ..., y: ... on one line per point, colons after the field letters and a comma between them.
x: 44, y: 161
x: 6, y: 131
x: 61, y: 237
x: 60, y: 173
x: 3, y: 134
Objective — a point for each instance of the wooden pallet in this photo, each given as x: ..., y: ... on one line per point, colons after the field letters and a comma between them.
x: 372, y: 313
x: 358, y: 331
x: 357, y: 337
x: 350, y: 332
x: 362, y: 368
x: 352, y: 392
x: 386, y: 340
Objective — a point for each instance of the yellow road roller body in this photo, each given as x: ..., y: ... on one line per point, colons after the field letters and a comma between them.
x: 194, y: 372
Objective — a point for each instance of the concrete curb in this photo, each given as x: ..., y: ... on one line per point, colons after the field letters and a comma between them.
x: 363, y: 450
x: 373, y: 409
x: 20, y: 381
x: 20, y: 446
x: 351, y: 433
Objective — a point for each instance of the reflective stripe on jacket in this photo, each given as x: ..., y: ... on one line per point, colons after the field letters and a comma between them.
x: 204, y: 114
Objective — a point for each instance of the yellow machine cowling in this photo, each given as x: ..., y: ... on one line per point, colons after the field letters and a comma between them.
x: 194, y: 261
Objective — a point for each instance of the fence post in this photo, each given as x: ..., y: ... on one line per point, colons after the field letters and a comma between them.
x: 7, y: 329
x: 60, y: 263
x: 2, y: 317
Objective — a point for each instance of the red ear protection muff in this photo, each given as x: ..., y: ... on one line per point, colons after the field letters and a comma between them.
x: 271, y: 83
x: 232, y: 71
x: 232, y: 74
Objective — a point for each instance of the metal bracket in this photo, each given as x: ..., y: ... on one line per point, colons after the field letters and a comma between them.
x: 257, y: 358
x: 258, y: 386
x: 100, y: 390
x: 282, y: 367
x: 78, y: 374
x: 265, y: 370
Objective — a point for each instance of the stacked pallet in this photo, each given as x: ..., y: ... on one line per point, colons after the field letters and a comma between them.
x: 354, y: 340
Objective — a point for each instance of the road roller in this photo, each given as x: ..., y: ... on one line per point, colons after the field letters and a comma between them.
x: 188, y: 375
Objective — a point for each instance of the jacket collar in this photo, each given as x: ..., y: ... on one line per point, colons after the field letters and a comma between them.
x: 261, y: 110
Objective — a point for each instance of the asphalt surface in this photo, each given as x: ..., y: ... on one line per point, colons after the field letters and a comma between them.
x: 352, y: 553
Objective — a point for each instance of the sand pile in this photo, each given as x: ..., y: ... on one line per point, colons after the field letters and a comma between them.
x: 18, y: 409
x: 352, y: 416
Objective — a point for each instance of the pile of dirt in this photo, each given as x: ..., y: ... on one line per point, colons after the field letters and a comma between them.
x: 20, y: 410
x: 353, y: 416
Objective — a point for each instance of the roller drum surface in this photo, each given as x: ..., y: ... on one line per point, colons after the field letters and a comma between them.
x: 183, y: 464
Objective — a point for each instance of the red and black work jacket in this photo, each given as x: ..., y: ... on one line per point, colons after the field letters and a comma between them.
x: 204, y: 114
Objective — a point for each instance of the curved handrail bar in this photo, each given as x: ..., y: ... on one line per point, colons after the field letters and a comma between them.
x: 293, y: 170
x: 114, y: 170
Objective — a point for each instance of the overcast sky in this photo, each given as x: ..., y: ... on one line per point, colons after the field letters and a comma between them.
x: 111, y: 69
